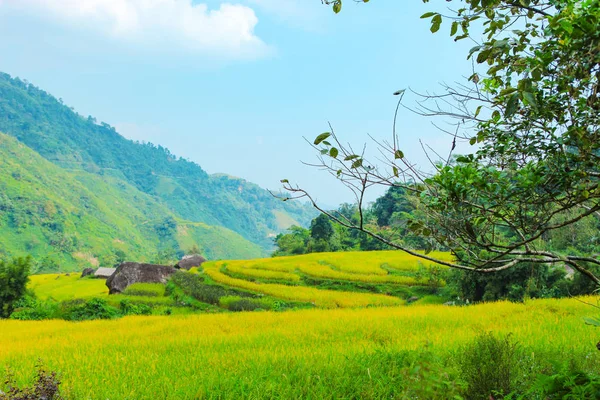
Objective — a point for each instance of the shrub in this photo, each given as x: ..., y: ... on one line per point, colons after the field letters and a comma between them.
x: 129, y: 308
x: 46, y: 386
x: 80, y: 310
x: 247, y: 305
x: 488, y: 366
x: 31, y: 309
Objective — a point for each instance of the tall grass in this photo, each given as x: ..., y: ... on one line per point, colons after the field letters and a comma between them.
x: 318, y: 354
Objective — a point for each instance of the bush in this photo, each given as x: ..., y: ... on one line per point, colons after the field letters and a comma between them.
x: 129, y: 308
x: 80, y: 310
x: 46, y: 387
x: 14, y: 276
x: 488, y: 366
x: 28, y: 308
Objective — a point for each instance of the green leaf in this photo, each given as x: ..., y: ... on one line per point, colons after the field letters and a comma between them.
x: 324, y: 151
x: 322, y: 137
x: 351, y: 157
x: 428, y: 14
x: 454, y: 28
x: 473, y: 140
x: 478, y: 111
x: 592, y: 321
x: 395, y: 170
x: 333, y: 152
x: 512, y: 105
x: 398, y: 154
x: 530, y: 100
x: 358, y: 163
x: 284, y: 181
x: 337, y: 7
x: 436, y: 22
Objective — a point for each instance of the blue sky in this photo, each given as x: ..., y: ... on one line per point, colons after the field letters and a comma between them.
x: 236, y: 86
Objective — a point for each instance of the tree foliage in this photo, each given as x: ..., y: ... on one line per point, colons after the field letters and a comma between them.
x: 531, y: 108
x: 14, y: 276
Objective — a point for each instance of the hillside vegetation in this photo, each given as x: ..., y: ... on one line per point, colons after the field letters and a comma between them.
x: 79, y: 144
x: 68, y: 220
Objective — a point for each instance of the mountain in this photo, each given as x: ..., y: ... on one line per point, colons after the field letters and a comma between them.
x: 79, y: 144
x: 68, y: 220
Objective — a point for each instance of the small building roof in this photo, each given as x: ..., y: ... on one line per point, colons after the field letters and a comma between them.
x: 104, y: 272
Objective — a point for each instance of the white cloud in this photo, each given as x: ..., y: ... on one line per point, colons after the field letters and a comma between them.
x: 227, y: 30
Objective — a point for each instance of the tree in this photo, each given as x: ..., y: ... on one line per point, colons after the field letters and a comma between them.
x: 532, y: 107
x: 321, y: 229
x: 14, y: 276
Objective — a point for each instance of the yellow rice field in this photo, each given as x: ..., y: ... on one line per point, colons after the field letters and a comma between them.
x: 303, y: 354
x: 320, y: 298
x: 364, y: 263
x: 66, y: 287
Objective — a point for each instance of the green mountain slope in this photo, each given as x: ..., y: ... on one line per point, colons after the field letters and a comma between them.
x: 71, y: 141
x: 71, y: 219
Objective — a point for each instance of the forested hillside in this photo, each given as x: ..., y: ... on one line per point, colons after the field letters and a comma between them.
x: 74, y: 142
x: 70, y: 220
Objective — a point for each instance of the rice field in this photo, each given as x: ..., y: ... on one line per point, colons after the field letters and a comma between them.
x: 283, y: 278
x: 66, y: 287
x: 314, y: 354
x: 286, y: 277
x: 320, y: 298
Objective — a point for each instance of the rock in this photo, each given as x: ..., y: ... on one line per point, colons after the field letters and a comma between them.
x: 188, y: 262
x: 129, y: 273
x: 87, y: 272
x: 412, y: 299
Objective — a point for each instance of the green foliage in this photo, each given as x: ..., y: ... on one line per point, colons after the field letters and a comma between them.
x: 82, y: 310
x: 489, y: 366
x: 14, y: 276
x: 515, y: 284
x: 129, y: 308
x: 31, y: 309
x: 568, y: 383
x: 321, y: 229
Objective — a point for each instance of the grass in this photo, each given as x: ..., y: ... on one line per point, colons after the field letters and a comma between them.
x: 317, y: 354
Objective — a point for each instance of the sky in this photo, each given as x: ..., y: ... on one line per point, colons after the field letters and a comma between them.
x: 236, y: 86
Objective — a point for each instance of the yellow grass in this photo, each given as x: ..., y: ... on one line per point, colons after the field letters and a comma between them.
x: 261, y: 273
x: 320, y: 298
x: 324, y: 271
x: 303, y: 354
